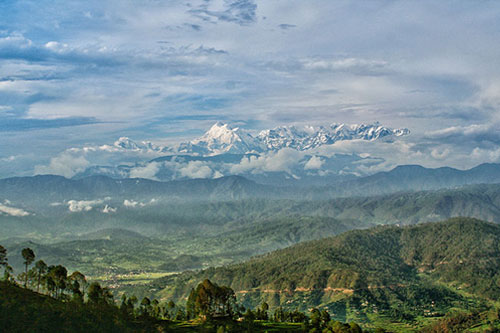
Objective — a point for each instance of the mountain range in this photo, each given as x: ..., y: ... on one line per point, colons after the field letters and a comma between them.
x: 279, y: 156
x: 400, y: 179
x: 224, y: 138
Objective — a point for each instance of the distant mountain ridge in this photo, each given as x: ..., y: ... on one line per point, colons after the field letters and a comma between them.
x: 309, y: 137
x: 418, y: 178
x: 224, y: 138
x: 400, y: 179
x: 60, y: 188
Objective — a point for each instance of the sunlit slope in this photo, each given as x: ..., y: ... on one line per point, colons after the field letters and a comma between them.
x: 361, y: 264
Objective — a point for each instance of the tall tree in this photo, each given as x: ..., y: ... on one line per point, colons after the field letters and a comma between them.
x: 29, y: 257
x: 59, y: 276
x: 3, y: 259
x: 3, y: 256
x: 80, y: 279
x: 41, y: 270
x: 210, y: 300
x: 98, y: 294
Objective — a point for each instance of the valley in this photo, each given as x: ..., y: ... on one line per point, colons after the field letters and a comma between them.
x: 382, y: 268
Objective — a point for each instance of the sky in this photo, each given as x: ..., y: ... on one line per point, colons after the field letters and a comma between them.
x: 75, y: 74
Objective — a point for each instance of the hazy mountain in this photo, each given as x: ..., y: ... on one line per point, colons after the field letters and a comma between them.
x: 222, y: 232
x: 58, y: 188
x: 400, y: 179
x: 415, y: 178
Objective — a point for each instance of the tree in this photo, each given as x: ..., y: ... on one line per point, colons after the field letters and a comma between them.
x: 145, y: 306
x: 156, y: 311
x: 262, y: 312
x: 41, y: 270
x: 315, y: 318
x: 7, y: 274
x: 3, y: 256
x: 29, y: 257
x: 59, y: 275
x: 98, y: 294
x: 249, y: 318
x: 169, y: 310
x: 325, y: 318
x: 78, y: 280
x: 210, y: 300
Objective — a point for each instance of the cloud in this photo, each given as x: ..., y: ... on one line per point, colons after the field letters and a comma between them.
x: 314, y: 163
x: 148, y: 171
x: 108, y: 209
x: 242, y: 12
x: 76, y: 206
x: 440, y: 154
x: 65, y: 164
x: 486, y: 155
x: 282, y: 160
x: 132, y: 203
x: 20, y: 124
x: 341, y: 64
x: 406, y: 64
x: 4, y: 209
x: 196, y: 169
x: 481, y: 134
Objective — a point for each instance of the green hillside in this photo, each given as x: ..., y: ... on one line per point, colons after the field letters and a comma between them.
x: 22, y: 310
x: 402, y: 273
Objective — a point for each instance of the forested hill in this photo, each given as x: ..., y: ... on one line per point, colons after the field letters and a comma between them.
x: 462, y: 252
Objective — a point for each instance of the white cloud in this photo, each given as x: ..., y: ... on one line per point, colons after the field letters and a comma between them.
x: 440, y: 154
x: 148, y: 171
x: 12, y: 211
x: 377, y: 65
x: 196, y: 169
x: 282, y: 160
x: 65, y: 164
x: 132, y: 203
x: 486, y: 155
x: 314, y: 163
x: 83, y: 205
x: 108, y: 209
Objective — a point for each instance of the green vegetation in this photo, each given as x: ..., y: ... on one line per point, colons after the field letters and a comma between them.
x: 405, y: 275
x: 399, y: 278
x: 70, y: 304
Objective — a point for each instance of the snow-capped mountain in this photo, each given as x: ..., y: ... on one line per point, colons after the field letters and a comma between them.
x: 223, y: 138
x: 226, y: 139
x: 128, y: 144
x: 229, y: 150
x: 220, y: 139
x: 309, y: 137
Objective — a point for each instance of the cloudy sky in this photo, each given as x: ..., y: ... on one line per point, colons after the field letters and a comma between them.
x: 80, y: 73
